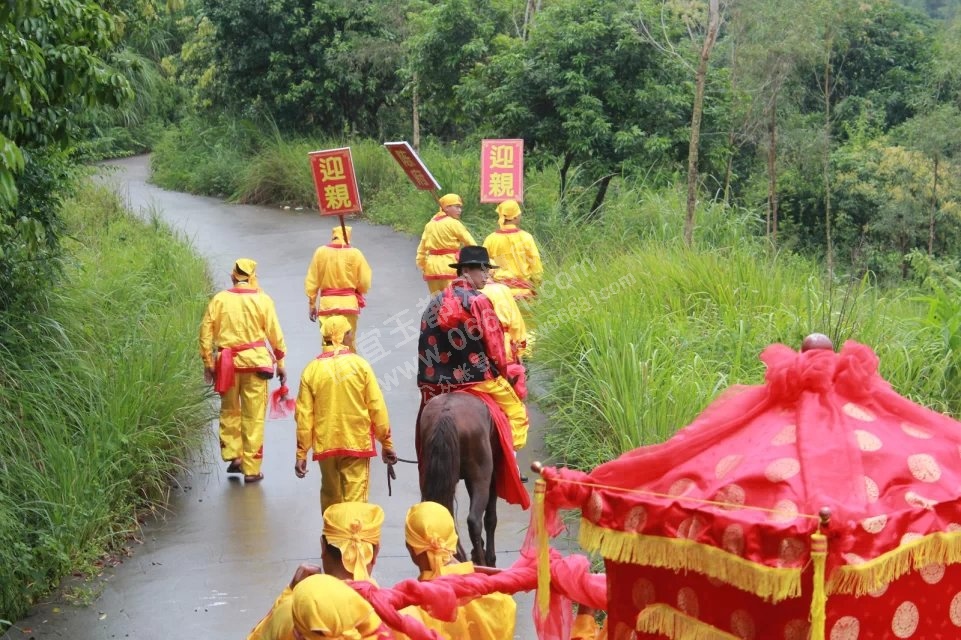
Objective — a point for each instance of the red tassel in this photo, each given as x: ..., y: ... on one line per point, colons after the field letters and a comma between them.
x: 280, y: 405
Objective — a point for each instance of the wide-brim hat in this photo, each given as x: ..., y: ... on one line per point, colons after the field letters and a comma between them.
x: 473, y: 257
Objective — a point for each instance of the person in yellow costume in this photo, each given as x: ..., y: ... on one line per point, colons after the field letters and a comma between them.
x: 443, y: 237
x: 585, y: 626
x: 348, y: 551
x: 337, y: 279
x: 340, y: 412
x: 324, y: 608
x: 512, y: 322
x: 513, y: 250
x: 432, y: 541
x: 242, y: 345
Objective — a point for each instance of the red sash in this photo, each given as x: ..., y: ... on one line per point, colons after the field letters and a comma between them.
x: 443, y: 252
x: 344, y: 291
x: 224, y: 370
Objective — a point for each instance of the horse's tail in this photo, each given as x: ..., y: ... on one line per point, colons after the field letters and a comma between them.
x: 441, y: 462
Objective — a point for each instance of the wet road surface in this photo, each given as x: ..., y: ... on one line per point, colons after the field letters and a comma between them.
x: 213, y: 565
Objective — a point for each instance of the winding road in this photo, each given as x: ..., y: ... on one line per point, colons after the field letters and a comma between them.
x: 211, y: 567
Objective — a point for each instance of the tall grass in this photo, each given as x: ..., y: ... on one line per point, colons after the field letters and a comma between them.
x: 103, y: 408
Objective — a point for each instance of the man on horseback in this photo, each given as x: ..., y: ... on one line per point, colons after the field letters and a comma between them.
x: 462, y: 343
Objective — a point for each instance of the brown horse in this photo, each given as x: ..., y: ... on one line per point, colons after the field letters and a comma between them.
x: 458, y: 441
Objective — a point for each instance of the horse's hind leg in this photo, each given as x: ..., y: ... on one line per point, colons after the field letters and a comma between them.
x: 490, y: 523
x: 479, y: 499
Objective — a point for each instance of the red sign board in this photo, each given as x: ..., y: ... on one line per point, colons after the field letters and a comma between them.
x: 337, y: 192
x: 412, y: 165
x: 502, y: 170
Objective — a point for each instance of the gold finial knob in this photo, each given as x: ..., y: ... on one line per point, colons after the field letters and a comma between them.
x: 817, y: 341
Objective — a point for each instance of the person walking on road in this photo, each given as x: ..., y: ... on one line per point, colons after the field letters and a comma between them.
x: 337, y: 279
x: 242, y: 347
x: 514, y: 252
x: 340, y: 412
x: 443, y: 237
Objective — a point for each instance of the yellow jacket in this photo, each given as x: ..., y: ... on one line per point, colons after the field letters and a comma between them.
x: 490, y: 617
x: 514, y: 252
x: 239, y: 316
x: 586, y: 628
x: 340, y: 408
x: 337, y: 267
x: 515, y: 329
x: 442, y: 238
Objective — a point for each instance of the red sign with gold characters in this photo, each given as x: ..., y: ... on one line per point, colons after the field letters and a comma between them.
x: 412, y: 165
x: 337, y: 192
x: 502, y: 170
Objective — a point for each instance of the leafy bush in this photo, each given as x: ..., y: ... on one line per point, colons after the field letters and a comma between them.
x: 101, y: 411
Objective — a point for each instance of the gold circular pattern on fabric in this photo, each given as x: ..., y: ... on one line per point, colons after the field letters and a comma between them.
x: 924, y: 467
x: 643, y: 593
x: 905, y: 620
x: 880, y: 591
x: 782, y: 469
x: 909, y: 537
x: 731, y: 494
x: 680, y: 487
x: 796, y: 630
x: 915, y: 499
x: 636, y: 519
x: 787, y: 435
x: 690, y: 528
x: 791, y: 551
x: 915, y: 431
x: 687, y: 601
x: 726, y: 464
x: 871, y: 491
x: 954, y: 611
x: 623, y: 631
x: 595, y: 506
x: 852, y: 558
x: 867, y: 441
x: 846, y: 628
x: 742, y: 624
x: 858, y: 412
x: 784, y: 511
x: 874, y: 524
x: 932, y: 573
x: 733, y: 539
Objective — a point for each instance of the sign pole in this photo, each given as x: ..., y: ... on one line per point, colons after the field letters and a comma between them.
x: 343, y: 228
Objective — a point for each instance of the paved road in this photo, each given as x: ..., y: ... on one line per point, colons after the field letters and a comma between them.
x: 212, y: 567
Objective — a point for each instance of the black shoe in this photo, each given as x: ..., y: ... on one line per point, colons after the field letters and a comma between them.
x: 524, y: 478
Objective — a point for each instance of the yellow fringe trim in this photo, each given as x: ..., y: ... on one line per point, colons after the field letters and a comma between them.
x: 543, y: 551
x: 666, y: 620
x: 770, y: 583
x: 819, y: 598
x: 859, y: 579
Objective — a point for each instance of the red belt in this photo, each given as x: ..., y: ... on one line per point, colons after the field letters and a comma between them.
x: 442, y: 252
x: 224, y: 378
x: 361, y: 302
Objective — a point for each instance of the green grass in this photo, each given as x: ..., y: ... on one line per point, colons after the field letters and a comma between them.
x: 104, y: 405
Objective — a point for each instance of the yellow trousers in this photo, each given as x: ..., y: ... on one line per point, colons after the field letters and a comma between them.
x: 506, y: 398
x: 343, y: 479
x: 436, y: 285
x: 352, y: 319
x: 242, y: 411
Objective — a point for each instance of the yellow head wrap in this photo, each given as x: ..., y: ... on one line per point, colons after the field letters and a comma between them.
x: 337, y: 234
x: 325, y: 607
x: 507, y: 210
x: 333, y: 330
x: 430, y: 529
x: 448, y: 200
x: 245, y: 269
x: 354, y: 528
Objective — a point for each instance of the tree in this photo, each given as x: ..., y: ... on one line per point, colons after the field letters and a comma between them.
x: 585, y: 88
x: 56, y: 60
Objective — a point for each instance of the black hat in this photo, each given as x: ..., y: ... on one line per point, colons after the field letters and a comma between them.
x: 473, y: 257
